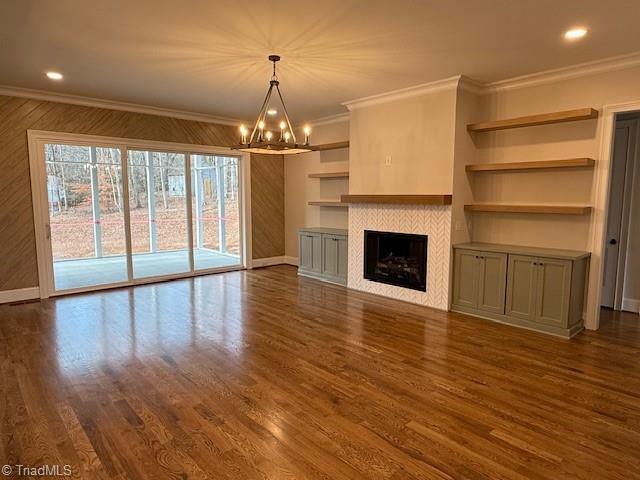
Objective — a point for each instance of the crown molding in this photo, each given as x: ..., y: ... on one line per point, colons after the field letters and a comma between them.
x: 338, y: 118
x: 417, y: 90
x: 471, y: 85
x: 114, y: 105
x: 564, y: 73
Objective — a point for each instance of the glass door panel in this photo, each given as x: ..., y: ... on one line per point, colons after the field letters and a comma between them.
x: 158, y: 211
x: 86, y: 219
x: 215, y: 204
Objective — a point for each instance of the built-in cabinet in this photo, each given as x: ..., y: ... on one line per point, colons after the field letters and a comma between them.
x: 323, y: 254
x: 541, y: 289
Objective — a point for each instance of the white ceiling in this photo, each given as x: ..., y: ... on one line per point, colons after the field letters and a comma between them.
x: 210, y: 56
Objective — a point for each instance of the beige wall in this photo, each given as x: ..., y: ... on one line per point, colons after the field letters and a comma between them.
x: 418, y: 134
x: 300, y: 189
x: 467, y: 111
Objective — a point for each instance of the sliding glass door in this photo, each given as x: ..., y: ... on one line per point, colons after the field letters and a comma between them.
x: 158, y: 213
x: 216, y: 207
x: 120, y: 215
x: 86, y: 221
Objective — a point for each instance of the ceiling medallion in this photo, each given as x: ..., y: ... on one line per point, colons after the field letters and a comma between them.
x: 262, y: 139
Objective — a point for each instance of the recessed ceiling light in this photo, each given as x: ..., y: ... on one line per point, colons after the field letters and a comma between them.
x: 272, y: 111
x: 575, y: 33
x: 54, y: 75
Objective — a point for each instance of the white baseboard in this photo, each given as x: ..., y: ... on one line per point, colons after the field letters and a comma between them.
x: 631, y: 305
x: 269, y: 261
x: 291, y: 261
x: 19, y: 295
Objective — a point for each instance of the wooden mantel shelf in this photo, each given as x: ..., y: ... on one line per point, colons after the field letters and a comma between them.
x: 533, y: 120
x: 399, y: 199
x: 327, y: 203
x: 514, y: 208
x: 329, y: 175
x: 536, y: 165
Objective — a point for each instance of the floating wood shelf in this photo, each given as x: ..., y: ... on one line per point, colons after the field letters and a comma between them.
x: 399, y: 199
x: 329, y: 175
x: 533, y: 120
x: 502, y: 208
x: 328, y: 204
x: 331, y: 146
x: 545, y: 164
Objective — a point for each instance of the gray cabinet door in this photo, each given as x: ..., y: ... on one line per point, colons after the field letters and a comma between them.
x: 521, y: 287
x: 343, y: 257
x: 310, y: 252
x: 492, y: 280
x: 465, y: 278
x: 553, y: 290
x: 330, y: 254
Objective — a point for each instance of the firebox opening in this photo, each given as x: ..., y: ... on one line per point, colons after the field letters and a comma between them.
x: 396, y: 258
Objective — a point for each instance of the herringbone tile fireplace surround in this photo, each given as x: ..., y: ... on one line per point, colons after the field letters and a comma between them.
x: 434, y: 221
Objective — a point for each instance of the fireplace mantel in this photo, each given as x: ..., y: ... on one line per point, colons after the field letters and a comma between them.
x: 398, y: 199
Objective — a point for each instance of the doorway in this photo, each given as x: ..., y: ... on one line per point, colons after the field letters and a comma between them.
x: 621, y: 273
x: 113, y: 212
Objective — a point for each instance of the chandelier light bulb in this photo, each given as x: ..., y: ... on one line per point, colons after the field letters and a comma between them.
x: 307, y: 132
x: 269, y: 136
x: 243, y: 134
x: 287, y: 136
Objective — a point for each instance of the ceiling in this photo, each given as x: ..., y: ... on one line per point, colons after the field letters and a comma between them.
x: 210, y: 56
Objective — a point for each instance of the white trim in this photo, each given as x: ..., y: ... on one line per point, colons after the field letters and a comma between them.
x: 338, y: 118
x: 246, y: 229
x: 471, y: 85
x: 19, y: 295
x: 394, y: 95
x: 564, y: 73
x: 270, y: 261
x: 291, y: 260
x: 115, y: 105
x: 606, y: 128
x: 631, y: 305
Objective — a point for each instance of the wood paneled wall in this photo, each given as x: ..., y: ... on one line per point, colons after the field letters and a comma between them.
x: 267, y: 205
x: 18, y: 266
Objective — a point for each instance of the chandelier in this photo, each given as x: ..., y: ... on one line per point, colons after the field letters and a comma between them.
x: 263, y: 139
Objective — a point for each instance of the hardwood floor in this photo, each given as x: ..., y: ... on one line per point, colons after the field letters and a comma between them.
x: 261, y: 374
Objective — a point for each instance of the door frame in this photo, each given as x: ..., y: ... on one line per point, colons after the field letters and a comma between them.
x: 602, y: 181
x: 36, y: 141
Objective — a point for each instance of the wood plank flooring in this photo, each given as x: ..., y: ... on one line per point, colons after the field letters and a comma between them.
x: 263, y: 375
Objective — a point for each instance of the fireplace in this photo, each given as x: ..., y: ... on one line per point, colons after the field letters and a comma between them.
x: 396, y: 258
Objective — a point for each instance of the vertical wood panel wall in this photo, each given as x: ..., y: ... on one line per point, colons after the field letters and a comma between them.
x: 267, y: 205
x: 18, y: 266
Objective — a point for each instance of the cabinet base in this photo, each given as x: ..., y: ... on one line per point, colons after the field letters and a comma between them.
x: 323, y: 278
x: 517, y: 322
